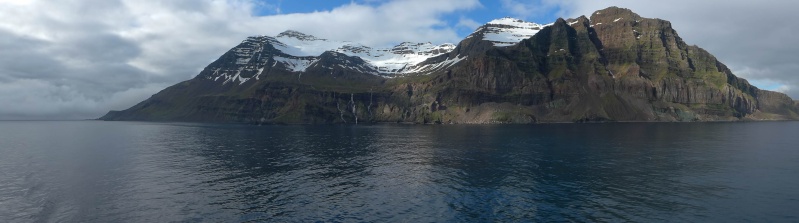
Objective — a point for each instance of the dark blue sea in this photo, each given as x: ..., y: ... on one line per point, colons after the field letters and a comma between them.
x: 93, y: 171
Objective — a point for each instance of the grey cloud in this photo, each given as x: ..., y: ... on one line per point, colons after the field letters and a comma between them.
x: 100, y: 48
x: 22, y: 58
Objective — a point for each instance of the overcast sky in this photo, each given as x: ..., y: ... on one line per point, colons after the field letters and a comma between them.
x: 77, y: 59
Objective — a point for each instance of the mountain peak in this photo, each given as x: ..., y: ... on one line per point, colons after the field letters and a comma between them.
x: 616, y: 11
x: 297, y: 35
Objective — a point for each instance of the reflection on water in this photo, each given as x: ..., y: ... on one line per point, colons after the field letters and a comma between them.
x: 146, y: 172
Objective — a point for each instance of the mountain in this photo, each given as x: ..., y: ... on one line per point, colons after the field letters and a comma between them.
x: 613, y: 66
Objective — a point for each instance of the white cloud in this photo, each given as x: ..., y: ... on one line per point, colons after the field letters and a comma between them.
x: 387, y: 23
x: 80, y: 58
x: 15, y: 2
x: 468, y: 23
x: 784, y: 89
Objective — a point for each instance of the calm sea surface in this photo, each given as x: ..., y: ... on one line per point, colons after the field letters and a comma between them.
x: 91, y: 171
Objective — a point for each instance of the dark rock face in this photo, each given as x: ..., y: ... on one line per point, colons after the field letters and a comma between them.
x: 615, y: 66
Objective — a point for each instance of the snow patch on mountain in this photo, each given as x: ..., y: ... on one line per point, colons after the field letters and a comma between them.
x: 395, y: 60
x: 436, y: 66
x: 509, y: 31
x: 297, y: 64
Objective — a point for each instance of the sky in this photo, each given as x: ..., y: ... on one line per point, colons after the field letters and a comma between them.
x: 77, y: 59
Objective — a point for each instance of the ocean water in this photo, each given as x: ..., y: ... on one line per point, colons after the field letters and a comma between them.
x: 92, y: 171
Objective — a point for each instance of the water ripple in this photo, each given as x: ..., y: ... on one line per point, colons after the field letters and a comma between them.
x: 145, y: 172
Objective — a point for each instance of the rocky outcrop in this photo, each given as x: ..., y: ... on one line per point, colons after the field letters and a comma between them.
x: 782, y: 106
x: 613, y: 66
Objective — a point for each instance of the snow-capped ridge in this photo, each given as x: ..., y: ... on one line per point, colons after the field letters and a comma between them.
x: 389, y: 61
x: 295, y: 51
x: 507, y: 31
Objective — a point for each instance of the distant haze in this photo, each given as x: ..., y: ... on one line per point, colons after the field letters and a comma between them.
x: 77, y: 59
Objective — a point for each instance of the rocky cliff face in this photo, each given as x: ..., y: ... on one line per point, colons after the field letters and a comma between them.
x: 615, y: 66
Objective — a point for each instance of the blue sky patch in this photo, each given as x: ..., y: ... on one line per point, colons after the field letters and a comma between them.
x: 489, y: 10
